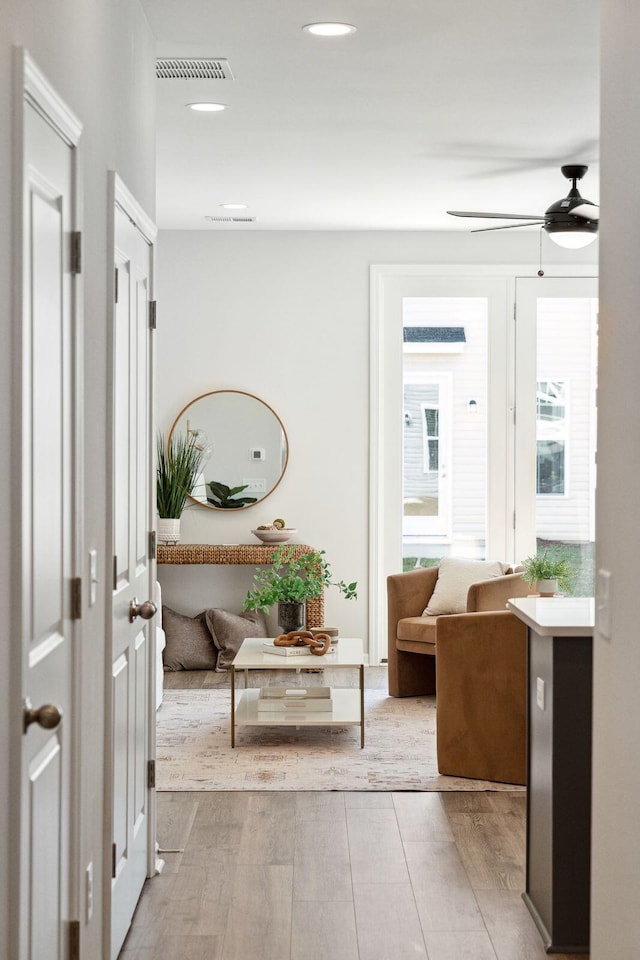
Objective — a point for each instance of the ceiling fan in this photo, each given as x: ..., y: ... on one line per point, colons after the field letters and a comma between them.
x: 571, y: 222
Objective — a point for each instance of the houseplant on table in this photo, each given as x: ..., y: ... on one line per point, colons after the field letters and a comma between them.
x: 547, y: 573
x: 290, y: 581
x: 177, y: 466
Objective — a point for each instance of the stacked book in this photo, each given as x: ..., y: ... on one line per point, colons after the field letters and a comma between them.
x: 296, y: 699
x: 303, y: 651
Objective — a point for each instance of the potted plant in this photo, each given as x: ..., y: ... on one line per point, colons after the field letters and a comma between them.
x: 547, y: 573
x: 290, y: 581
x: 177, y: 466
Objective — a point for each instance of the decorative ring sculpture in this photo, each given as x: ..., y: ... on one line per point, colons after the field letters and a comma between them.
x: 318, y: 644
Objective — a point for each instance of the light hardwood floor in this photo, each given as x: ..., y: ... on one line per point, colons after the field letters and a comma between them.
x: 337, y: 876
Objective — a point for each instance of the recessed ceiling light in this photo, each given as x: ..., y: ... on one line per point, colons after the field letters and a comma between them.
x: 234, y: 206
x: 207, y: 107
x: 329, y: 29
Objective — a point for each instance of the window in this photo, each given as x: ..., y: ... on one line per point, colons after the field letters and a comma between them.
x: 431, y: 438
x: 551, y: 434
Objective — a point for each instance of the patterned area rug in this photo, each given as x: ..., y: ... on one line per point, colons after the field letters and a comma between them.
x: 194, y: 751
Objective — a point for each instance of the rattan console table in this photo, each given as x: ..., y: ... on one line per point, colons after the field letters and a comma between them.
x: 227, y: 554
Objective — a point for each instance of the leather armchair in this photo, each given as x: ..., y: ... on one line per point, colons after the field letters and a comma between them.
x: 480, y: 681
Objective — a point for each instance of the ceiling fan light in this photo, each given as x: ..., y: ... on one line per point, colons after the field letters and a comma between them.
x: 571, y: 236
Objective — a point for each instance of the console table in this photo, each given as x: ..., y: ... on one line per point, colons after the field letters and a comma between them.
x: 228, y: 554
x: 559, y: 694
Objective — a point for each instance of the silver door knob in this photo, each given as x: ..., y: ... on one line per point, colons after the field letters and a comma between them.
x: 48, y: 716
x: 145, y: 610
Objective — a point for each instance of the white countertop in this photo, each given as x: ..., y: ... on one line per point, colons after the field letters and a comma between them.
x: 556, y: 616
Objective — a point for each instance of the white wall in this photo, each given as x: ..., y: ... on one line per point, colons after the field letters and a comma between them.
x: 100, y: 58
x: 285, y: 315
x: 616, y: 838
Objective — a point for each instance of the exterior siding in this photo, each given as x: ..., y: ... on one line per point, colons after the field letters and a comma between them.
x: 566, y: 350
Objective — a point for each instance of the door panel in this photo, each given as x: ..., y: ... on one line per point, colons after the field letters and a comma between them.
x: 48, y: 525
x: 134, y: 576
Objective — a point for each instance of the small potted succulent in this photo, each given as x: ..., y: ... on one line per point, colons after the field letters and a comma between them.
x: 548, y: 574
x: 177, y: 467
x: 290, y: 581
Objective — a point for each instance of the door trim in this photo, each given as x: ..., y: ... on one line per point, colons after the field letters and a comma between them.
x: 31, y: 87
x: 120, y: 196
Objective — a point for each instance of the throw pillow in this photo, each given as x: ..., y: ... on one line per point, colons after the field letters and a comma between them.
x: 454, y: 579
x: 229, y: 630
x: 189, y: 645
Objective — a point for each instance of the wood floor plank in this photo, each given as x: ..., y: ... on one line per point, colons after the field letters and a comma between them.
x: 492, y: 847
x: 375, y: 846
x: 175, y: 821
x: 320, y: 805
x: 322, y: 869
x: 267, y: 837
x: 387, y: 922
x: 459, y: 946
x: 421, y: 816
x: 478, y: 801
x: 380, y: 799
x: 323, y: 931
x: 444, y: 897
x: 259, y: 919
x: 513, y: 933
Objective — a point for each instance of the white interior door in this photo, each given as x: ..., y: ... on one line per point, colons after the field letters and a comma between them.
x: 131, y: 697
x: 49, y: 519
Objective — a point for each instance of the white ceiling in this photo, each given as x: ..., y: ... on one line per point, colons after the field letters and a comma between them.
x: 431, y: 105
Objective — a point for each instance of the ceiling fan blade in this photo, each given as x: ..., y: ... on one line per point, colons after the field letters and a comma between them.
x: 497, y: 216
x: 590, y: 211
x: 509, y: 226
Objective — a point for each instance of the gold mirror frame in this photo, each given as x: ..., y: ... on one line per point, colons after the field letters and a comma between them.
x: 252, y: 396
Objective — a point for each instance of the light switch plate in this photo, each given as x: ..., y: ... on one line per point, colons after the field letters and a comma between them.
x: 540, y: 692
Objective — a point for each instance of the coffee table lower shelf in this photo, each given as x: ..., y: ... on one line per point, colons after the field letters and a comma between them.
x: 348, y: 710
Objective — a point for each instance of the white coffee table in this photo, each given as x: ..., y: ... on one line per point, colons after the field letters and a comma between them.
x: 348, y: 704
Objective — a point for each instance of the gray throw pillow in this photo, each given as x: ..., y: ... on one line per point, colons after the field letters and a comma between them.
x: 230, y: 629
x: 189, y: 645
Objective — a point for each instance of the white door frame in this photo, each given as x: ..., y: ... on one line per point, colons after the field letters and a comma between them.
x: 120, y: 196
x: 385, y: 435
x: 32, y: 87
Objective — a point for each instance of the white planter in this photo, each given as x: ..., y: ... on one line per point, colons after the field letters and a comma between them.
x: 547, y: 588
x: 168, y: 530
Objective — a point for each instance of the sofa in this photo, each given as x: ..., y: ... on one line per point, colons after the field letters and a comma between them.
x: 480, y: 678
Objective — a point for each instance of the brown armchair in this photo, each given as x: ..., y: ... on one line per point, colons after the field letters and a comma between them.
x: 480, y: 681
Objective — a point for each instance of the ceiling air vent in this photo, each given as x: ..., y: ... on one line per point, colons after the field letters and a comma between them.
x: 193, y: 68
x: 231, y: 219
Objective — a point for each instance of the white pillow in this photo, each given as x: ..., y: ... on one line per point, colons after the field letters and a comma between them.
x: 454, y: 579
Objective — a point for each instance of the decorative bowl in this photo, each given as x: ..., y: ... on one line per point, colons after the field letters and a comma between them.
x: 275, y: 536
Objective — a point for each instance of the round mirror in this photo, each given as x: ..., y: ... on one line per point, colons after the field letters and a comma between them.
x: 244, y: 448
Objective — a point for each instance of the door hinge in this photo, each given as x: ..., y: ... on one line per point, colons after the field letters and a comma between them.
x: 76, y: 252
x: 114, y: 860
x: 515, y: 310
x: 115, y: 287
x: 76, y: 598
x: 153, y: 313
x: 115, y: 573
x: 153, y: 553
x: 74, y: 940
x: 151, y: 773
x: 514, y: 519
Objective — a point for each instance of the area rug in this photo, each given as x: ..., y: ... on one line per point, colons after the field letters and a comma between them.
x: 194, y: 750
